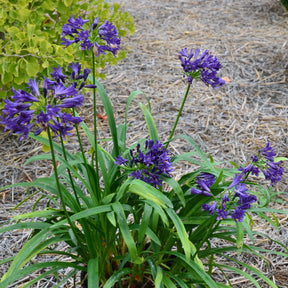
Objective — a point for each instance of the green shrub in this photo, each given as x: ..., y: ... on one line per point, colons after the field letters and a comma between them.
x: 30, y: 32
x: 285, y: 3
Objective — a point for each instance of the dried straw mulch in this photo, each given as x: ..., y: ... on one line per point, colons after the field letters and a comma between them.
x: 250, y: 39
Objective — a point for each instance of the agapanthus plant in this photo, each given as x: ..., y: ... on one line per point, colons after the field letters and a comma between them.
x: 122, y: 227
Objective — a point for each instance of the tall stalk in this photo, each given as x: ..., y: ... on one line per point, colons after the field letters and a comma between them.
x: 95, y: 128
x: 178, y: 116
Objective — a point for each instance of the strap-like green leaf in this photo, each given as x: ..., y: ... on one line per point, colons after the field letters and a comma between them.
x: 149, y: 192
x: 93, y: 273
x: 150, y: 122
x: 158, y: 278
x: 125, y: 232
x: 109, y: 112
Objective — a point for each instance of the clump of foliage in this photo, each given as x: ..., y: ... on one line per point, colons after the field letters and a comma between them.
x: 30, y: 38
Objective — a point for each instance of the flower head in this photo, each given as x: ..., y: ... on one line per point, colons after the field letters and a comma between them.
x: 150, y: 164
x: 46, y: 109
x: 204, y: 181
x: 265, y: 161
x: 103, y: 38
x: 238, y: 214
x: 204, y: 67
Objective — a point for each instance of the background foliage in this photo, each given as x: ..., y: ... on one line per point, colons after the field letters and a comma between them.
x: 30, y: 32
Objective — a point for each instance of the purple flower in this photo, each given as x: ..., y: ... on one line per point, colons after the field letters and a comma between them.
x: 246, y: 201
x: 204, y: 181
x: 72, y: 102
x: 255, y: 158
x: 76, y: 68
x: 250, y: 169
x: 58, y: 74
x: 149, y: 165
x: 33, y: 85
x: 204, y: 68
x: 225, y: 199
x: 210, y: 208
x: 44, y: 110
x: 268, y: 152
x: 240, y: 190
x: 274, y: 172
x: 238, y: 214
x: 236, y: 180
x: 103, y: 38
x: 23, y: 96
x: 222, y: 214
x: 120, y: 160
x: 265, y: 162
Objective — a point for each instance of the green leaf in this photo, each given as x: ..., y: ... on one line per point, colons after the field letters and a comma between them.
x: 150, y: 123
x: 110, y: 114
x: 198, y: 149
x: 32, y: 67
x: 6, y: 78
x: 30, y: 30
x: 93, y: 273
x: 117, y: 276
x: 159, y: 277
x: 181, y: 232
x: 239, y: 271
x: 150, y: 193
x: 239, y: 236
x: 68, y: 3
x: 147, y: 214
x: 125, y: 232
x: 176, y: 188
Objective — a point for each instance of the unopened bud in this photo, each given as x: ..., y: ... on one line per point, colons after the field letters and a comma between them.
x: 95, y: 50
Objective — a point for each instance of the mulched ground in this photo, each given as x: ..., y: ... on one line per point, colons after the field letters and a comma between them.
x: 250, y: 39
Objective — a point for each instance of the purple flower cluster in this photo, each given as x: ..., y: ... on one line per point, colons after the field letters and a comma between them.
x: 244, y: 200
x: 263, y: 162
x: 240, y: 202
x: 102, y: 38
x: 49, y: 108
x: 204, y: 68
x: 204, y: 181
x: 150, y: 165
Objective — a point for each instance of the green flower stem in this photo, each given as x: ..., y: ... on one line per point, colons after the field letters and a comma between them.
x: 84, y: 253
x: 95, y: 128
x: 69, y: 172
x: 178, y: 116
x: 79, y: 140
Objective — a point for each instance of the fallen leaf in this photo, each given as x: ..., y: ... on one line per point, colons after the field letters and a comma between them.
x: 226, y: 79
